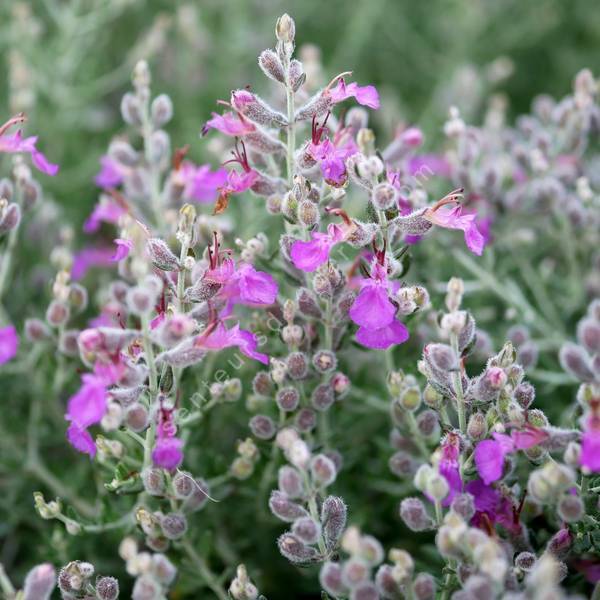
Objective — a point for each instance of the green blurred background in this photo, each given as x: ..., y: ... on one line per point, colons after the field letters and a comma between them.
x: 67, y: 62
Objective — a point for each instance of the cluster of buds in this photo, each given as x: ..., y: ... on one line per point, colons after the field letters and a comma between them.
x: 76, y: 580
x: 154, y: 573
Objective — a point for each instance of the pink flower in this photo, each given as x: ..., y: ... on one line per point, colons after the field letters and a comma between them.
x: 111, y: 173
x: 455, y: 218
x: 200, y: 183
x: 492, y: 507
x: 90, y: 257
x: 168, y: 453
x: 248, y: 286
x: 429, y: 164
x: 374, y: 312
x: 490, y: 455
x: 104, y: 212
x: 88, y: 405
x: 239, y: 182
x: 366, y: 95
x: 15, y: 143
x: 234, y: 125
x: 590, y: 443
x: 123, y: 249
x: 307, y: 256
x: 9, y: 343
x: 220, y: 337
x: 449, y: 466
x: 412, y: 137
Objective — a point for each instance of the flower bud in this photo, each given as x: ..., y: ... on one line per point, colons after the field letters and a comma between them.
x: 161, y: 110
x: 10, y: 217
x: 477, y: 426
x: 524, y: 394
x: 199, y: 497
x: 146, y: 588
x: 588, y: 334
x: 285, y: 29
x: 123, y: 153
x: 288, y: 399
x: 305, y: 420
x: 130, y: 110
x: 262, y: 384
x: 437, y: 486
x: 333, y: 520
x: 464, y: 505
x: 330, y: 578
x: 57, y: 313
x: 432, y: 398
x: 283, y: 508
x: 324, y: 361
x: 107, y: 588
x: 154, y: 481
x: 183, y: 485
x: 401, y: 464
x: 354, y: 571
x: 297, y: 365
x: 575, y: 361
x: 290, y: 482
x: 262, y: 427
x: 295, y: 550
x: 161, y: 255
x: 572, y: 454
x: 271, y: 65
x: 308, y: 214
x: 39, y: 582
x: 322, y: 397
x: 159, y: 147
x: 414, y: 514
x: 36, y: 330
x: 570, y: 508
x: 308, y: 304
x: 173, y: 526
x: 424, y: 587
x: 525, y: 561
x: 323, y: 470
x: 140, y: 300
x: 442, y: 357
x: 410, y: 399
x: 384, y: 196
x: 307, y: 529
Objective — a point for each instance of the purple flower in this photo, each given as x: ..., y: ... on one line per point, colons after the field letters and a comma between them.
x: 332, y: 158
x: 81, y: 440
x: 234, y: 125
x: 15, y: 143
x: 9, y: 343
x: 433, y: 164
x: 219, y: 337
x: 90, y: 257
x: 449, y: 466
x: 492, y: 507
x: 490, y: 455
x: 590, y: 443
x: 200, y: 183
x: 250, y: 287
x: 122, y: 251
x: 455, y: 218
x: 307, y: 256
x: 104, y: 211
x: 111, y: 173
x: 168, y: 453
x: 374, y: 312
x: 366, y: 95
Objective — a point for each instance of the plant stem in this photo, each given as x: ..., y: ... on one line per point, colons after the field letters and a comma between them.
x: 291, y: 132
x: 209, y: 577
x: 7, y: 256
x: 457, y: 383
x: 7, y: 587
x: 149, y: 352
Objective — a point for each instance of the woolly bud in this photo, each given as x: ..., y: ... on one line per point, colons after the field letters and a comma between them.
x: 413, y: 224
x: 401, y: 464
x: 424, y: 587
x: 354, y: 571
x: 384, y: 196
x: 295, y: 550
x: 464, y: 505
x: 305, y: 420
x: 527, y: 355
x: 257, y: 110
x: 324, y: 361
x: 130, y: 110
x: 107, y: 588
x: 297, y: 365
x: 524, y: 395
x: 36, y: 330
x: 154, y: 481
x: 296, y: 74
x: 283, y: 508
x: 57, y: 313
x: 428, y: 424
x: 146, y: 588
x: 123, y: 153
x: 308, y: 214
x: 574, y: 359
x: 477, y: 426
x: 140, y: 300
x: 10, y: 217
x: 570, y: 508
x: 159, y: 146
x: 340, y: 384
x: 414, y: 514
x: 262, y: 384
x: 161, y: 110
x: 431, y: 397
x: 199, y: 497
x: 308, y: 304
x: 410, y: 399
x: 525, y: 561
x: 442, y: 357
x: 161, y: 256
x: 290, y: 482
x: 322, y: 397
x: 333, y: 520
x: 323, y: 470
x: 241, y: 587
x: 572, y: 455
x: 330, y: 578
x: 262, y: 427
x: 271, y: 65
x: 183, y: 485
x: 288, y: 399
x: 307, y: 529
x: 173, y: 526
x: 588, y: 334
x: 285, y: 29
x: 40, y: 582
